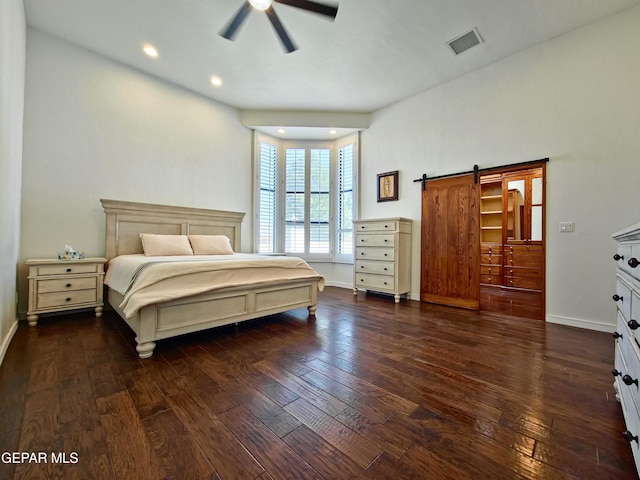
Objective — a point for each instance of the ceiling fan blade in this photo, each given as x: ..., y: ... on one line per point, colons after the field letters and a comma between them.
x: 231, y: 29
x: 279, y: 28
x: 315, y: 7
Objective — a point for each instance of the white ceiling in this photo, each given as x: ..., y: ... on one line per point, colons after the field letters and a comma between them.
x: 376, y: 52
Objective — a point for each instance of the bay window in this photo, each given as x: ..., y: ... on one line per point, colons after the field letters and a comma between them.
x: 305, y: 198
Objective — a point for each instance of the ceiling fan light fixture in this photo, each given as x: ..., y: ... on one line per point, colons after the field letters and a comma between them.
x: 150, y: 50
x: 260, y: 4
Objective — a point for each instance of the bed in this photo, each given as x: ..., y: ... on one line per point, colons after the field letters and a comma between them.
x: 208, y: 308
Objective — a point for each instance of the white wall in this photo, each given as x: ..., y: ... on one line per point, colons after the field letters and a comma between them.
x: 575, y: 100
x: 12, y: 71
x: 97, y: 129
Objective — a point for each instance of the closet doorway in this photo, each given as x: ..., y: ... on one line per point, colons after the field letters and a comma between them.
x: 512, y: 241
x: 483, y: 240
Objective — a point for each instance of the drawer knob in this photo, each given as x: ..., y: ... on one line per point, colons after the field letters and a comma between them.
x: 615, y: 373
x: 629, y: 437
x: 633, y: 324
x: 388, y: 240
x: 386, y: 254
x: 68, y: 285
x: 361, y: 266
x: 385, y: 269
x: 67, y: 299
x: 617, y: 257
x: 385, y: 283
x: 362, y: 279
x: 628, y: 380
x: 68, y: 270
x: 617, y: 297
x: 617, y: 335
x: 633, y: 262
x: 386, y: 226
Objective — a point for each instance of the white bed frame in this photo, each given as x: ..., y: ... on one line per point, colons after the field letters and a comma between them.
x: 125, y: 222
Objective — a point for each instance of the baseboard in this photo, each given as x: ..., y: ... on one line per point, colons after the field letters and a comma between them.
x: 580, y: 323
x: 7, y: 340
x: 340, y: 285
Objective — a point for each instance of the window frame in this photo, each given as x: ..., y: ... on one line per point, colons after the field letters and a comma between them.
x: 282, y: 145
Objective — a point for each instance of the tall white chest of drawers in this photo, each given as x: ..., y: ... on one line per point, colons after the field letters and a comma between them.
x: 382, y: 260
x: 626, y: 370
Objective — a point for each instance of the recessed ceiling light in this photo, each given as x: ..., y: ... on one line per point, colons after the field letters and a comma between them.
x: 260, y: 4
x: 150, y: 50
x: 216, y: 81
x: 333, y: 132
x: 281, y: 131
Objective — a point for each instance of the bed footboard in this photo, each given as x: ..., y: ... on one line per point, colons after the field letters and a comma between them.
x: 214, y: 309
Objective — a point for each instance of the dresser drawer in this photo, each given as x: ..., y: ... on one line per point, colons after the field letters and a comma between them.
x: 380, y: 240
x: 65, y: 284
x: 66, y: 269
x: 491, y: 279
x: 65, y: 299
x: 523, y: 250
x: 490, y: 249
x: 526, y: 283
x: 491, y: 260
x: 374, y: 253
x: 389, y: 226
x: 378, y: 267
x: 490, y: 269
x: 522, y: 261
x: 623, y: 293
x: 384, y: 282
x: 524, y: 272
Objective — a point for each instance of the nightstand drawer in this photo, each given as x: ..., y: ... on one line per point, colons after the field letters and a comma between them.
x: 65, y: 284
x: 66, y: 269
x: 65, y: 299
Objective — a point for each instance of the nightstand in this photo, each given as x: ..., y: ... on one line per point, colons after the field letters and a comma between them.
x: 60, y: 285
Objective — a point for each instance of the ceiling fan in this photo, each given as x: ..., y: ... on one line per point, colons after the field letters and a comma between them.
x: 315, y: 7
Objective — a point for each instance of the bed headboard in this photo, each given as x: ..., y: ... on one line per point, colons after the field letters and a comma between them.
x: 127, y: 220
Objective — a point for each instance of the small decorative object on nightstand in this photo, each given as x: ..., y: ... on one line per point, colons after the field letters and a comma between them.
x: 60, y: 285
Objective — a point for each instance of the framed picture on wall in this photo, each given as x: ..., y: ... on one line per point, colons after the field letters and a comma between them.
x: 388, y: 186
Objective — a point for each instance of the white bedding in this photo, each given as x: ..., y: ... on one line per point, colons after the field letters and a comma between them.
x: 144, y: 280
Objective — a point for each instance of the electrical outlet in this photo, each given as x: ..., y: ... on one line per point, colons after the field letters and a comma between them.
x: 566, y: 227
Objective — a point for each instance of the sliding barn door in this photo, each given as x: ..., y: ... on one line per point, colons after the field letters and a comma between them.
x: 450, y: 266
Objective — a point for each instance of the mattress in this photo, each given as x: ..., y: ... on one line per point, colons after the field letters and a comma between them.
x: 144, y: 280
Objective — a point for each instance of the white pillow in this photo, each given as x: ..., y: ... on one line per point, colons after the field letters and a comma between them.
x: 154, y: 244
x: 210, y: 245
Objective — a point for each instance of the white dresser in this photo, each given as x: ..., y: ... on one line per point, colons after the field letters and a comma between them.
x: 626, y: 370
x: 382, y: 260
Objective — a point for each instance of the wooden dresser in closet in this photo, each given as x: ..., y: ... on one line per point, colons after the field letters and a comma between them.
x: 626, y: 370
x: 511, y: 230
x: 382, y: 260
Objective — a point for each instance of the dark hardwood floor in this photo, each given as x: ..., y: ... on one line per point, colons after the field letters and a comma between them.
x: 369, y: 389
x: 519, y: 303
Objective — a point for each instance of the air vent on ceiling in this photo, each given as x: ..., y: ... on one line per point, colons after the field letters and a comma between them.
x: 465, y: 42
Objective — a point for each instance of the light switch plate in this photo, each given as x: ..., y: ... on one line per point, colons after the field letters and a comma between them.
x: 566, y: 227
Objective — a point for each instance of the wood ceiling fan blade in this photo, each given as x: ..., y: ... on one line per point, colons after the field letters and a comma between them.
x: 230, y: 30
x: 279, y: 28
x: 315, y: 7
